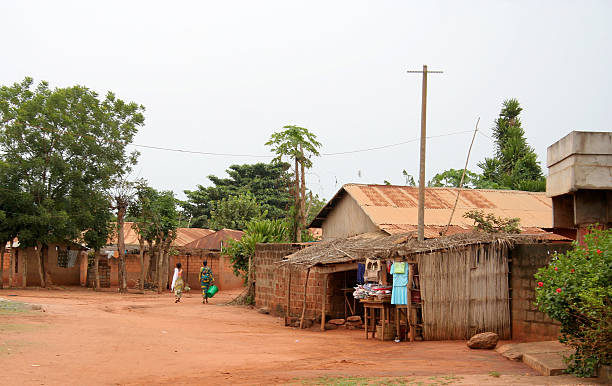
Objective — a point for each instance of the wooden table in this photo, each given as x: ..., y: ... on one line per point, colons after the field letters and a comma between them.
x: 370, y: 307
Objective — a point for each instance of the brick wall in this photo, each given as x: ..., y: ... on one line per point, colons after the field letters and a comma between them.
x: 271, y: 285
x: 220, y: 265
x: 529, y: 324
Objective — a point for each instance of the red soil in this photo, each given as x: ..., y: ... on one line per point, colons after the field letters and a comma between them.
x: 84, y: 337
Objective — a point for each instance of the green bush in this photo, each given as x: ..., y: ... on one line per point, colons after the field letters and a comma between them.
x: 576, y: 289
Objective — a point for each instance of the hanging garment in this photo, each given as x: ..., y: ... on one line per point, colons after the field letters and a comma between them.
x: 360, y: 272
x: 174, y: 278
x: 399, y: 267
x: 399, y: 292
x: 372, y: 270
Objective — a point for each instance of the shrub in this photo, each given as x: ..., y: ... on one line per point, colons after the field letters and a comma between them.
x: 576, y: 289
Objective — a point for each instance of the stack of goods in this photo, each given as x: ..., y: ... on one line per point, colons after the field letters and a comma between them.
x: 372, y: 291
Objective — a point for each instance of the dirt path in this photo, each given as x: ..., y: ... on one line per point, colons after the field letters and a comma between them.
x: 89, y: 338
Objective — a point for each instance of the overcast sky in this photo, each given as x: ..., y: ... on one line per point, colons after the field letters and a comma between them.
x: 221, y: 76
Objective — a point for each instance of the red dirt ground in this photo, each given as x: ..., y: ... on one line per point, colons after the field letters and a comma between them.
x: 105, y: 338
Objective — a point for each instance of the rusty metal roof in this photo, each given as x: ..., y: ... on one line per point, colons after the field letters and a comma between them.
x: 213, y: 241
x: 394, y: 209
x: 183, y: 236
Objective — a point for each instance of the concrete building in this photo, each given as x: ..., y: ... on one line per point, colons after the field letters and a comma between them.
x: 580, y: 180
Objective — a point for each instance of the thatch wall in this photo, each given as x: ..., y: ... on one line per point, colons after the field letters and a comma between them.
x: 465, y: 291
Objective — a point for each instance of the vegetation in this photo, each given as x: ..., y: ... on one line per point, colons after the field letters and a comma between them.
x: 488, y: 222
x: 299, y: 145
x: 268, y: 183
x: 515, y: 164
x: 235, y: 212
x: 575, y: 289
x: 59, y: 148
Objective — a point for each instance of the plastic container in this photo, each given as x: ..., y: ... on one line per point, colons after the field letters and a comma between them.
x: 212, y: 290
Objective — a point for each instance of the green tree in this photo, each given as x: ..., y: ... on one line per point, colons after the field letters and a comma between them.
x: 452, y: 177
x: 515, y: 164
x: 97, y: 227
x: 235, y: 212
x: 575, y: 289
x: 269, y: 183
x: 142, y: 213
x: 299, y: 145
x: 65, y: 144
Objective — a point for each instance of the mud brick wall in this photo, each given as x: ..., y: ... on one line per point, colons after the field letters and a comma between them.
x: 529, y: 324
x: 271, y: 285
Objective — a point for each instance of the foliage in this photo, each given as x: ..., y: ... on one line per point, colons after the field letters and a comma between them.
x: 409, y: 178
x: 515, y: 164
x: 261, y: 231
x: 64, y: 146
x: 235, y: 212
x: 452, y: 178
x: 299, y: 145
x: 267, y: 182
x: 575, y: 289
x: 488, y: 222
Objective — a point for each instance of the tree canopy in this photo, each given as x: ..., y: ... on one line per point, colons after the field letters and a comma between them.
x: 61, y: 147
x: 235, y: 212
x: 268, y: 183
x: 515, y: 164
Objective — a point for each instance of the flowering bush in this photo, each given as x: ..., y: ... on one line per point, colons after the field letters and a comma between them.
x: 576, y: 289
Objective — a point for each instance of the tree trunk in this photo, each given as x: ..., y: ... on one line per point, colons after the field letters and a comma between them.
x: 2, y: 247
x: 298, y: 221
x: 41, y: 269
x: 97, y: 270
x: 121, y: 209
x: 142, y: 270
x: 160, y: 266
x: 11, y: 265
x: 24, y: 271
x: 166, y: 270
x: 152, y: 263
x: 303, y: 192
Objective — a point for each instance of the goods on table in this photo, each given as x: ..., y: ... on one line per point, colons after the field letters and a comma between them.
x: 365, y: 291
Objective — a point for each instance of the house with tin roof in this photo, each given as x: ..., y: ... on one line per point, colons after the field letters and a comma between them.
x: 390, y: 209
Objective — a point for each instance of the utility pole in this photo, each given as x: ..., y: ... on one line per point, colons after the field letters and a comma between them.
x: 421, y: 227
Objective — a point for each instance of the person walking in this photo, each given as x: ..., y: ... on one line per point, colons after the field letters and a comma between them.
x: 177, y: 283
x: 206, y: 280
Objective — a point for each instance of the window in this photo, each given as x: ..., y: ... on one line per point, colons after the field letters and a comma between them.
x: 62, y: 258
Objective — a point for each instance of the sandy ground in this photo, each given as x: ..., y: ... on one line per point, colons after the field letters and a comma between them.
x: 89, y: 338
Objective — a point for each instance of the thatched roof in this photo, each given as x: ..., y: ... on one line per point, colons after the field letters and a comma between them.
x: 379, y: 245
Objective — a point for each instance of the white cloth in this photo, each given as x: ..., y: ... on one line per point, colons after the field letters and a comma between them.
x: 174, y: 278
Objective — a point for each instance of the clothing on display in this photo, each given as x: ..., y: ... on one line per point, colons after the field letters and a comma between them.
x: 399, y: 294
x: 372, y: 270
x: 360, y: 272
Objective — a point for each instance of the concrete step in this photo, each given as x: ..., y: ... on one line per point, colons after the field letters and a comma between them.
x: 546, y: 357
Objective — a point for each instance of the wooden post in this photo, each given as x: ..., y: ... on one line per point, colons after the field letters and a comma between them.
x: 304, y: 302
x: 409, y: 312
x: 288, y: 311
x: 324, y: 302
x: 421, y: 213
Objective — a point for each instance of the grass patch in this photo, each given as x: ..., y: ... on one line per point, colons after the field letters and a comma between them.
x: 8, y: 307
x: 495, y: 374
x: 388, y: 381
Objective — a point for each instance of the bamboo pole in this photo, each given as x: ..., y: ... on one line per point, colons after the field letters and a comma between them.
x: 304, y: 301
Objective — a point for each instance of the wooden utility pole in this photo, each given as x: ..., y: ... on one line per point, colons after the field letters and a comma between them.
x: 421, y: 227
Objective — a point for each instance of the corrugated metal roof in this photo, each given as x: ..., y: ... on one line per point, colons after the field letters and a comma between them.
x: 395, y: 208
x: 183, y: 236
x: 213, y: 240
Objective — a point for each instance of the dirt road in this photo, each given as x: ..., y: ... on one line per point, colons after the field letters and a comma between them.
x: 88, y: 338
